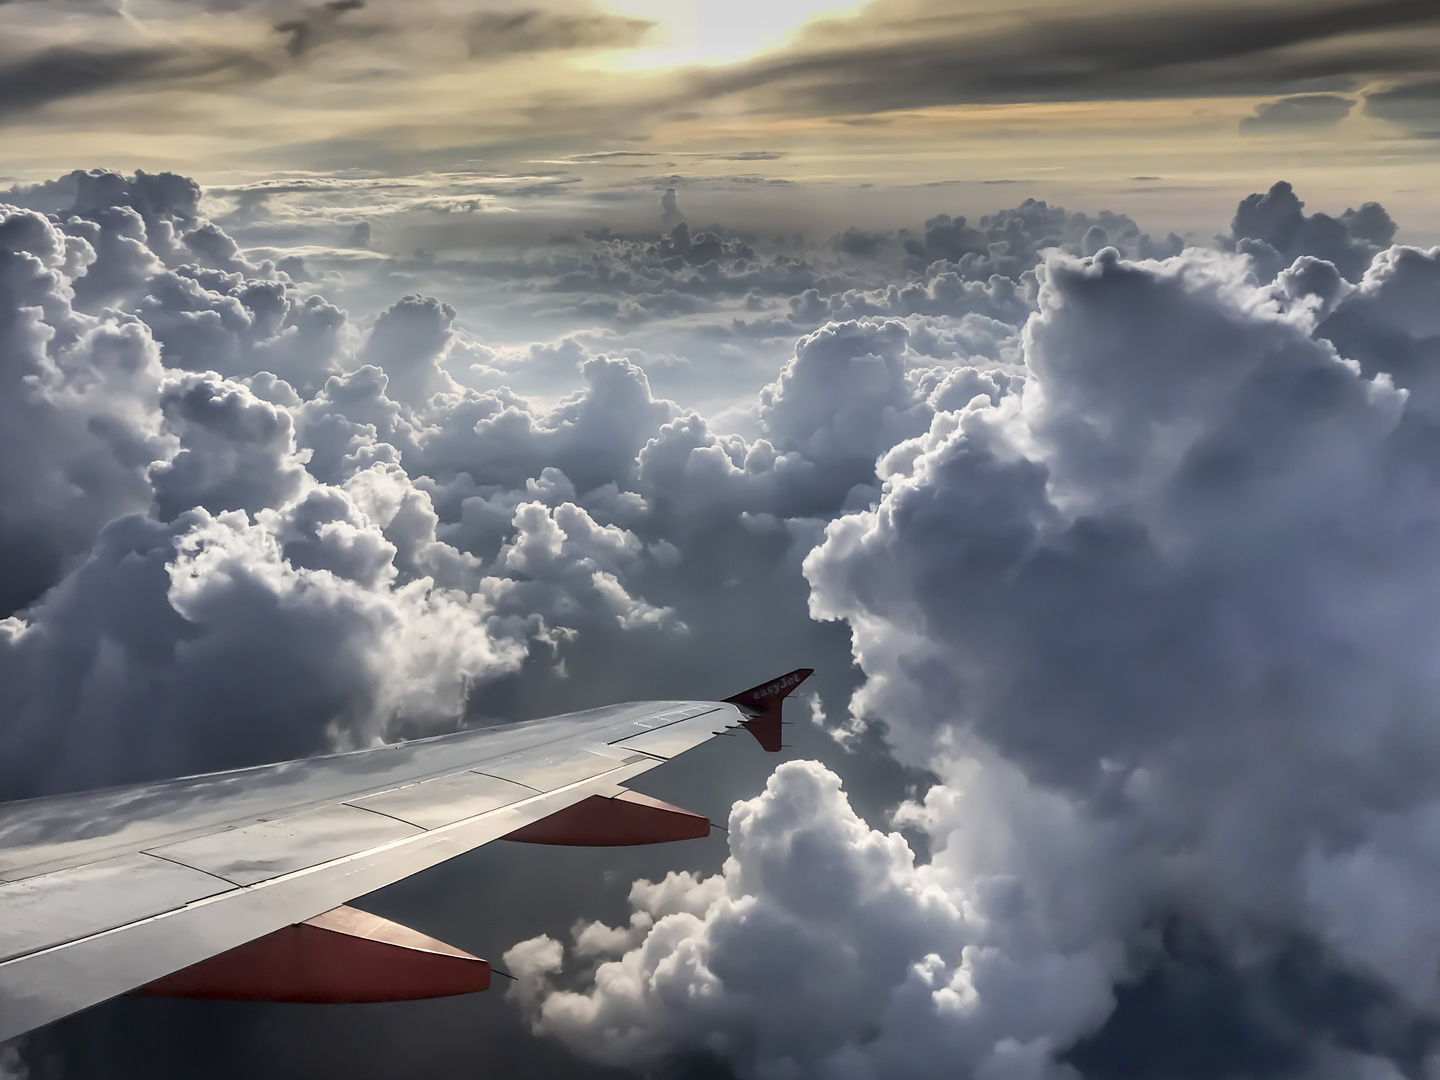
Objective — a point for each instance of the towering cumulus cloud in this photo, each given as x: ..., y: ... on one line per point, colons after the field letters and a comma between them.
x: 204, y: 567
x: 1162, y: 620
x: 1136, y: 547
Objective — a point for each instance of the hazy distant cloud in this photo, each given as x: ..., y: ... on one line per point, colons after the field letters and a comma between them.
x: 531, y: 30
x: 1127, y: 51
x: 1298, y: 112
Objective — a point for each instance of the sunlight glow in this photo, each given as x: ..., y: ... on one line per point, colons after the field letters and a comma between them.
x: 718, y: 31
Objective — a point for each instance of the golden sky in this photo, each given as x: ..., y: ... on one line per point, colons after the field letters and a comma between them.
x: 1177, y: 104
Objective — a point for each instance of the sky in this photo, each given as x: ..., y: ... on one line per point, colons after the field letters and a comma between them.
x: 1055, y: 379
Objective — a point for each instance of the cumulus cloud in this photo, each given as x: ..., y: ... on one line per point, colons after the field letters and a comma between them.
x: 1160, y: 617
x: 211, y: 641
x: 1274, y: 230
x: 1131, y: 544
x: 185, y: 543
x: 822, y: 949
x: 408, y: 341
x: 81, y: 409
x: 1009, y: 243
x: 1214, y: 532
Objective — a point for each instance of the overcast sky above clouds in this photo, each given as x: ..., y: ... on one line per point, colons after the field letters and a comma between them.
x: 1183, y: 99
x: 1056, y: 379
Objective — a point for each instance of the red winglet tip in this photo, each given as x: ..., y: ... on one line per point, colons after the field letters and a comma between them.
x: 763, y: 704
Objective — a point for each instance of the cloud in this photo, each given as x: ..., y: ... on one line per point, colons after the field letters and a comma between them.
x: 1197, y: 446
x: 1160, y: 619
x: 81, y: 420
x: 1299, y: 112
x: 1274, y: 231
x: 322, y: 24
x: 233, y: 45
x: 55, y: 73
x: 1413, y: 105
x: 107, y: 677
x: 1129, y: 541
x: 822, y: 949
x: 532, y: 30
x: 408, y: 341
x: 899, y: 58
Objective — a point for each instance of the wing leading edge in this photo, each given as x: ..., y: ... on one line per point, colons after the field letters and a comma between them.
x: 108, y: 892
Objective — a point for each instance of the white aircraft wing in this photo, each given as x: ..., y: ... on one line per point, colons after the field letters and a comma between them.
x: 107, y: 892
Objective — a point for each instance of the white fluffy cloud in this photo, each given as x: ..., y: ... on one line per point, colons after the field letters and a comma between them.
x: 1162, y: 620
x: 1180, y: 580
x: 1134, y: 548
x: 823, y: 949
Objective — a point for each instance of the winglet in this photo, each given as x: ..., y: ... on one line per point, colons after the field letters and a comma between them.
x: 762, y: 705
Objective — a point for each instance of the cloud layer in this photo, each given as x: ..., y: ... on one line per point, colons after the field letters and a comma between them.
x: 1133, y: 543
x: 1160, y: 617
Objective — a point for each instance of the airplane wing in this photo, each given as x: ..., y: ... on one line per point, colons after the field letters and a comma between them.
x: 232, y: 884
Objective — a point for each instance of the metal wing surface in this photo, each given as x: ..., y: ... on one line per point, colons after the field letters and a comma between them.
x: 107, y: 891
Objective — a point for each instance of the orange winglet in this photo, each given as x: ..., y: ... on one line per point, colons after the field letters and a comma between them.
x: 344, y: 956
x: 601, y: 821
x: 763, y: 704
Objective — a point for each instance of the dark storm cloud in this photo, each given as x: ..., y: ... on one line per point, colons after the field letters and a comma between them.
x: 489, y: 35
x: 531, y: 30
x: 1178, y: 50
x: 1413, y: 105
x: 28, y: 82
x: 1298, y: 113
x: 319, y: 25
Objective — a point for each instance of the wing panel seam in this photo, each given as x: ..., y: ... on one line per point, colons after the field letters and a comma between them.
x: 382, y: 813
x: 176, y: 862
x: 517, y: 783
